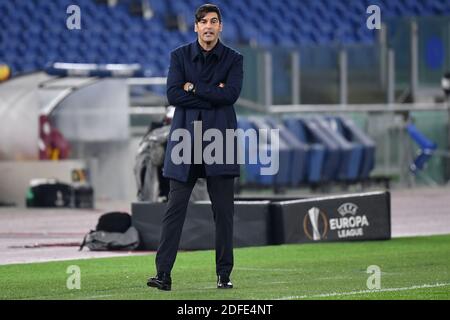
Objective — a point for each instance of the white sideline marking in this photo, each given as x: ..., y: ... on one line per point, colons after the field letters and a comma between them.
x: 267, y: 269
x: 336, y: 294
x: 99, y: 296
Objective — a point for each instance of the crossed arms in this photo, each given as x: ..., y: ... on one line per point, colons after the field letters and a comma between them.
x: 206, y: 96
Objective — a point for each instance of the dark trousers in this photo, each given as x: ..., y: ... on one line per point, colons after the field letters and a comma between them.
x: 221, y: 193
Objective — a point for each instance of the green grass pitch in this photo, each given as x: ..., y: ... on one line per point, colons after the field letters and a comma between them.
x: 411, y: 268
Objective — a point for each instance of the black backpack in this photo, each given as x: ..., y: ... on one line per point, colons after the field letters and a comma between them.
x: 113, y: 232
x: 115, y: 221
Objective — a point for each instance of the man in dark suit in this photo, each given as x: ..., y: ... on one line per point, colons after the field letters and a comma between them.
x: 204, y: 81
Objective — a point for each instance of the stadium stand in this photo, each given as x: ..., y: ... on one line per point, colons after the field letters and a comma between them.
x: 34, y: 33
x: 34, y: 36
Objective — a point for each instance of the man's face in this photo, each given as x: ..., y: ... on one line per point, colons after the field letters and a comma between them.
x: 209, y: 27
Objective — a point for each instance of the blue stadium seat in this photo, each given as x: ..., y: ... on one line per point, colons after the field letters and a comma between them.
x: 284, y: 175
x: 230, y: 34
x: 350, y: 153
x: 158, y: 7
x: 251, y: 171
x: 354, y: 134
x: 298, y: 153
x: 427, y: 148
x: 316, y: 156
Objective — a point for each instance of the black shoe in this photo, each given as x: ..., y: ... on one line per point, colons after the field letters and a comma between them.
x: 224, y: 282
x: 162, y: 281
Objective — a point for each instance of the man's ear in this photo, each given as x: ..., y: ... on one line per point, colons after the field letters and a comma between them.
x: 195, y: 27
x: 221, y: 26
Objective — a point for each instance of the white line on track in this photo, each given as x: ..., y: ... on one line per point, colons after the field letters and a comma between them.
x: 337, y: 294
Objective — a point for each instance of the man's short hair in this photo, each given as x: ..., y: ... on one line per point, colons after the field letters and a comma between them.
x: 205, y: 9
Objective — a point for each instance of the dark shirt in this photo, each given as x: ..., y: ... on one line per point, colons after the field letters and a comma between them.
x: 198, y: 170
x: 205, y: 54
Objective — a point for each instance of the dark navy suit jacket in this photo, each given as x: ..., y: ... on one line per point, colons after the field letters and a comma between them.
x: 210, y: 103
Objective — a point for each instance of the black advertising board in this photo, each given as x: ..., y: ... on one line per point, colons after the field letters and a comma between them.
x: 250, y: 224
x: 363, y: 216
x: 259, y: 222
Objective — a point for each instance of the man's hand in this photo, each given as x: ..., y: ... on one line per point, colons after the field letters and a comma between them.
x: 186, y: 86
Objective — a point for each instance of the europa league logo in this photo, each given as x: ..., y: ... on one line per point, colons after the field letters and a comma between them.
x: 315, y: 223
